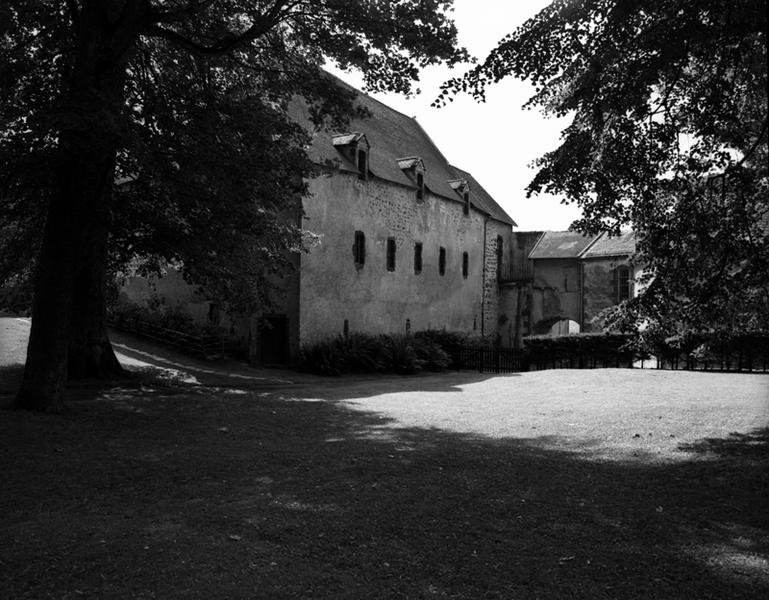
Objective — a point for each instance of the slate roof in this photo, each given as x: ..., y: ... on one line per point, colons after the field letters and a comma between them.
x: 561, y: 244
x: 621, y: 245
x: 393, y: 136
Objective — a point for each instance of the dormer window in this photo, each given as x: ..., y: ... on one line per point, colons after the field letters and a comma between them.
x: 355, y: 148
x: 462, y: 187
x: 362, y: 164
x: 414, y: 167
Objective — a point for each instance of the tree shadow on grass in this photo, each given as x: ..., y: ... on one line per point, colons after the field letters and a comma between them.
x: 10, y: 380
x: 751, y: 445
x: 199, y: 495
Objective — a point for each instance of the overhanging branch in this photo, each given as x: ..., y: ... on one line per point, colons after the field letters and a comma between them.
x: 261, y: 26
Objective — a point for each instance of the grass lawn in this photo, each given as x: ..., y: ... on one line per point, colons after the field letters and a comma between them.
x: 557, y: 484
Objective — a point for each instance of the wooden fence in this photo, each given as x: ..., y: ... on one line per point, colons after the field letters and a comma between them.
x: 204, y: 346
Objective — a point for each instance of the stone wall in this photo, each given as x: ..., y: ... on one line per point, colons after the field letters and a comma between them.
x: 495, y: 319
x: 600, y: 292
x: 556, y: 292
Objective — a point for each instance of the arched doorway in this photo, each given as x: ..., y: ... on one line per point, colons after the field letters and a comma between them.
x: 556, y: 326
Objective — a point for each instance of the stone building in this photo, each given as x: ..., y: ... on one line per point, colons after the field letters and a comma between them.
x: 406, y: 241
x: 561, y: 280
x: 609, y: 276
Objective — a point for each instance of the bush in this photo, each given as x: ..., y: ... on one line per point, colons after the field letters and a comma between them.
x: 451, y: 342
x: 432, y: 356
x: 580, y: 349
x: 400, y: 354
x: 324, y: 358
x: 363, y: 353
x: 693, y: 350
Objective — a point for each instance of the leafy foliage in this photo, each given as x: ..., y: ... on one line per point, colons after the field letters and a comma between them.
x: 450, y: 342
x: 668, y: 101
x: 710, y: 351
x: 209, y: 168
x: 363, y: 353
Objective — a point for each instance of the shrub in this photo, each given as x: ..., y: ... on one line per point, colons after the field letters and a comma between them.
x: 580, y: 349
x: 451, y: 342
x: 363, y: 353
x: 433, y: 357
x: 323, y: 358
x: 400, y: 355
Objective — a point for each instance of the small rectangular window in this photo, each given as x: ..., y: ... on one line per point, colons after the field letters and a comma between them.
x: 390, y: 254
x: 465, y: 264
x: 417, y: 258
x: 442, y: 261
x: 362, y: 164
x: 420, y: 186
x: 571, y: 279
x: 622, y: 284
x: 214, y: 316
x: 466, y: 207
x: 500, y: 255
x: 359, y: 249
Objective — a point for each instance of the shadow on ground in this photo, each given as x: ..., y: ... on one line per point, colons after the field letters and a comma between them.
x: 145, y: 491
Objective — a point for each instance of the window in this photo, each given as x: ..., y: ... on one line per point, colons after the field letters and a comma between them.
x: 500, y: 250
x: 214, y: 315
x: 571, y: 279
x: 466, y: 207
x: 622, y: 284
x: 417, y: 258
x: 420, y: 186
x: 359, y: 249
x: 390, y: 254
x: 442, y: 261
x: 465, y: 264
x: 362, y: 165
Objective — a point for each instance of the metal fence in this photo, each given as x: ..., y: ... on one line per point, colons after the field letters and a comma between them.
x: 489, y: 359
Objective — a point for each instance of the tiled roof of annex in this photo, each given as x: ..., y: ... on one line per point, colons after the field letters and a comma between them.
x: 560, y: 244
x: 605, y: 245
x: 392, y: 137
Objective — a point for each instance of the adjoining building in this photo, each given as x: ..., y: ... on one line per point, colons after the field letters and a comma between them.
x: 562, y: 280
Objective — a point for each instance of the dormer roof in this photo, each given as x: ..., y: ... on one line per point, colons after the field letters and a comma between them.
x: 345, y: 139
x: 460, y: 186
x: 410, y: 162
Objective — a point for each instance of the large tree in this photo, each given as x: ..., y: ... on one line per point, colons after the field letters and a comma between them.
x: 159, y: 128
x: 668, y: 134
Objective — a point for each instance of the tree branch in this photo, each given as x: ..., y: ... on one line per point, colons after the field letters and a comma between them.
x: 171, y: 16
x: 74, y: 13
x: 261, y: 26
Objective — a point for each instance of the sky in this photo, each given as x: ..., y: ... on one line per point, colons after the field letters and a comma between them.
x: 497, y: 140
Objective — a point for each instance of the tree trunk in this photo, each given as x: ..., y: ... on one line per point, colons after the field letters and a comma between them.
x: 73, y: 252
x: 45, y: 373
x: 90, y: 352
